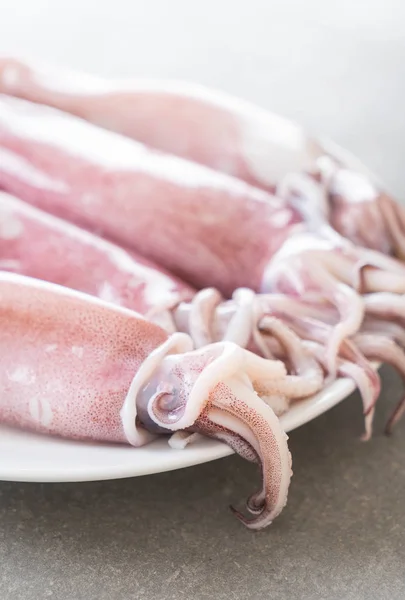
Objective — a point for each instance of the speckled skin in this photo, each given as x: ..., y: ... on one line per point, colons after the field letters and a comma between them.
x: 68, y: 360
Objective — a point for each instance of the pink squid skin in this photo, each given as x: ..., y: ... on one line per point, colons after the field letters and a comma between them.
x: 188, y: 120
x: 126, y: 204
x: 36, y: 244
x: 69, y: 256
x: 68, y: 361
x: 115, y: 186
x: 141, y: 199
x: 77, y: 367
x: 255, y: 240
x: 39, y: 245
x: 226, y: 134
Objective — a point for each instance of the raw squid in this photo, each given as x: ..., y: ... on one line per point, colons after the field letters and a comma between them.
x: 78, y: 367
x: 70, y: 256
x: 228, y: 135
x: 156, y: 204
x: 352, y: 201
x: 37, y: 244
x: 81, y: 367
x: 236, y: 235
x: 188, y: 120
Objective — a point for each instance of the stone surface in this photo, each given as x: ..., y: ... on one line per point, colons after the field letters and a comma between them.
x: 339, y: 69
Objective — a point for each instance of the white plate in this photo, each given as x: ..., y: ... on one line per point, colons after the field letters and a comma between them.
x: 31, y: 457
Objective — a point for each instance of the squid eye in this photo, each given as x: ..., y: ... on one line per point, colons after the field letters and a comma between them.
x: 166, y: 403
x: 151, y: 390
x: 164, y: 400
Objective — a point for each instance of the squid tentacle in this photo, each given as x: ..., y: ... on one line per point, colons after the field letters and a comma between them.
x: 385, y: 305
x: 323, y: 276
x: 386, y: 350
x: 351, y: 362
x: 359, y: 208
x: 308, y: 378
x: 395, y: 331
x: 232, y: 406
x: 396, y: 415
x: 394, y: 221
x: 210, y: 320
x: 351, y: 309
x: 369, y: 388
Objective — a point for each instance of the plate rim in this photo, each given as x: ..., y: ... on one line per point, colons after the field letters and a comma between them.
x: 206, y: 450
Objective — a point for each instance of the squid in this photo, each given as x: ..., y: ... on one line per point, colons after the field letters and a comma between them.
x: 237, y: 235
x: 70, y: 256
x: 67, y: 255
x: 187, y: 120
x: 82, y: 368
x: 146, y: 200
x: 39, y: 245
x: 73, y: 257
x: 221, y: 264
x: 228, y: 135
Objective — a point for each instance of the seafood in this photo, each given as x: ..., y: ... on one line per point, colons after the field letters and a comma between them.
x: 227, y: 135
x: 187, y: 120
x: 115, y: 186
x: 139, y: 198
x: 256, y: 227
x: 73, y: 257
x: 81, y: 368
x: 237, y: 235
x: 353, y: 202
x: 67, y: 255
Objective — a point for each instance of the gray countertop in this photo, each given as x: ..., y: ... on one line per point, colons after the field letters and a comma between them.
x: 171, y: 535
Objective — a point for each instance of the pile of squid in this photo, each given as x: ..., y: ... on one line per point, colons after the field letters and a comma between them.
x: 174, y: 261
